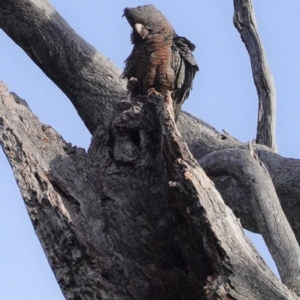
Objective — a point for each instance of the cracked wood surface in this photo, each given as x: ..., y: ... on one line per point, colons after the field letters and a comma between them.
x: 252, y: 175
x: 94, y: 97
x: 201, y: 137
x: 114, y: 224
x: 92, y: 84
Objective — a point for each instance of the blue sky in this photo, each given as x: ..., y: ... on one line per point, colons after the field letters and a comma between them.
x: 223, y: 96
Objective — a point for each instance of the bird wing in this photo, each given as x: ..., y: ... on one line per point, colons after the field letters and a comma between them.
x: 185, y: 68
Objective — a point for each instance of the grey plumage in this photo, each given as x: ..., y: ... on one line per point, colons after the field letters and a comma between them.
x: 160, y: 61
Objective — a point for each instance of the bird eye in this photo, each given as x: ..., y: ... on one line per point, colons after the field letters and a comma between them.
x: 149, y: 28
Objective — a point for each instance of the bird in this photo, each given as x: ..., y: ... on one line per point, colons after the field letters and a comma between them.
x: 161, y: 62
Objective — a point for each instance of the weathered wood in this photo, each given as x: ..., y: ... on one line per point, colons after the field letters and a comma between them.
x: 249, y: 171
x: 245, y: 23
x: 107, y: 219
x: 102, y: 217
x: 112, y: 223
x: 91, y: 82
x: 191, y: 193
x: 87, y: 77
x: 202, y: 139
x: 31, y: 147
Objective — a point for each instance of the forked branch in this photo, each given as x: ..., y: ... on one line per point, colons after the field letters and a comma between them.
x: 92, y: 83
x: 245, y: 23
x: 121, y: 159
x: 250, y: 172
x: 190, y: 197
x: 104, y: 220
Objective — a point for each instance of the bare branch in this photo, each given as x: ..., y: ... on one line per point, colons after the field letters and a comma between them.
x: 92, y: 88
x: 82, y: 195
x: 31, y: 147
x: 197, y: 202
x: 245, y: 23
x: 249, y: 171
x: 102, y: 242
x: 203, y: 139
x: 94, y: 99
x: 88, y: 78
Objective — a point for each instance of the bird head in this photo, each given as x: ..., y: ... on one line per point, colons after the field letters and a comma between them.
x: 145, y: 20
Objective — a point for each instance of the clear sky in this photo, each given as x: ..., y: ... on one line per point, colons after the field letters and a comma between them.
x: 223, y: 95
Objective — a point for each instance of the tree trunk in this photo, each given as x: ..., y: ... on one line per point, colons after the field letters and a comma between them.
x: 135, y: 217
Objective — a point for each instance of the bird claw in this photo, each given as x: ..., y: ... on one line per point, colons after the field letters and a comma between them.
x: 133, y: 79
x: 153, y: 91
x: 132, y: 84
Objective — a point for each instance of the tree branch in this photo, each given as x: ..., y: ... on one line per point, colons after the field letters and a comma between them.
x: 245, y: 23
x: 88, y: 78
x: 31, y: 147
x: 250, y: 172
x: 202, y: 139
x: 196, y: 201
x: 91, y: 82
x: 162, y: 238
x: 104, y: 217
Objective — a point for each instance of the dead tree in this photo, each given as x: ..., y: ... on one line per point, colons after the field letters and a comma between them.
x: 136, y: 217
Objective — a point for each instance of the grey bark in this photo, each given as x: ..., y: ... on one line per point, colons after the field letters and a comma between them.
x: 105, y: 218
x: 77, y: 68
x: 249, y: 171
x: 245, y: 23
x: 91, y: 82
x: 202, y: 139
x: 133, y: 218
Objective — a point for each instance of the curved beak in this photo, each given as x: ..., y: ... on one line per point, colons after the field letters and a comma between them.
x: 138, y: 28
x: 141, y: 30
